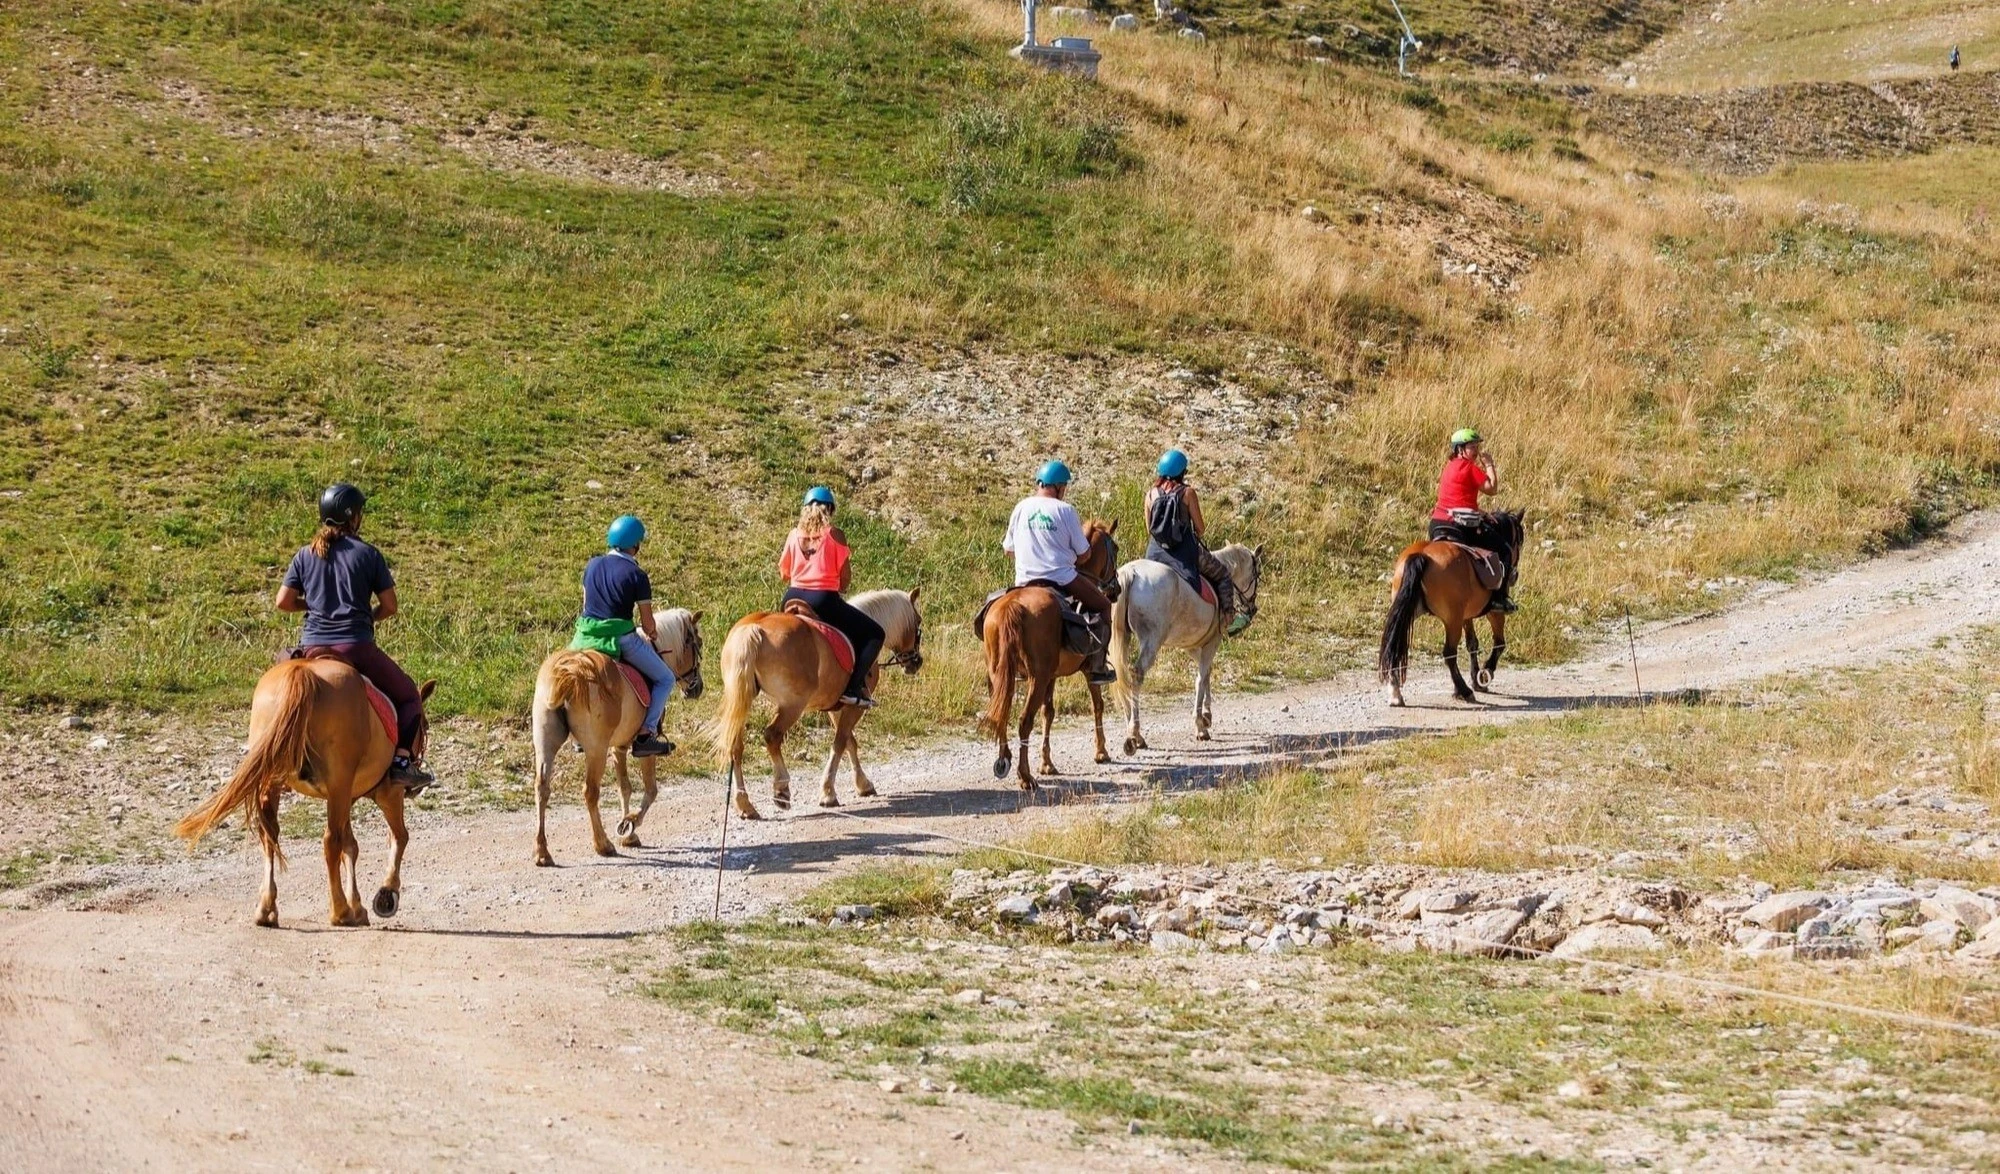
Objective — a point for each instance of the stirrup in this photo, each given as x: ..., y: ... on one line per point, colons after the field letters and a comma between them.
x: 1505, y: 605
x: 857, y: 700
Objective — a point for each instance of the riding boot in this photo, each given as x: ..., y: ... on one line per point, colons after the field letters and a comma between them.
x: 1097, y: 665
x: 1502, y: 602
x: 650, y: 745
x: 404, y: 770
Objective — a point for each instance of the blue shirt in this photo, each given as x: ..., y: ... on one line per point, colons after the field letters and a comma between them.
x: 340, y: 590
x: 613, y: 584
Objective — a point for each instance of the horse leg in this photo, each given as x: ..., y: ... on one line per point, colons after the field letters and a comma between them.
x: 389, y: 897
x: 844, y: 720
x: 593, y: 785
x: 1149, y: 651
x: 267, y: 835
x: 350, y: 850
x: 1472, y: 654
x: 862, y: 786
x: 1097, y: 716
x: 774, y: 741
x: 1036, y: 689
x: 622, y: 768
x: 1048, y: 726
x: 551, y: 731
x: 1204, y: 675
x: 333, y: 846
x: 649, y: 778
x: 1459, y: 688
x: 1499, y: 621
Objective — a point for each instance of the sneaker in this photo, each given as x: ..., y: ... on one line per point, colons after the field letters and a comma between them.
x: 857, y: 700
x: 413, y: 778
x: 1237, y: 625
x: 651, y: 746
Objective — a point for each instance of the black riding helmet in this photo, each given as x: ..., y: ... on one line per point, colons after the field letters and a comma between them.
x: 340, y: 503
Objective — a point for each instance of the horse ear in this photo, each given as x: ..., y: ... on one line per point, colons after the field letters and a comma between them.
x: 1114, y: 527
x: 694, y: 617
x: 425, y: 690
x: 913, y: 593
x: 1257, y: 552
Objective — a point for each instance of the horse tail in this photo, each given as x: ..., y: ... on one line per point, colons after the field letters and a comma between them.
x: 739, y: 690
x: 1404, y: 608
x: 570, y: 673
x: 1121, y: 630
x: 1003, y: 639
x: 276, y: 754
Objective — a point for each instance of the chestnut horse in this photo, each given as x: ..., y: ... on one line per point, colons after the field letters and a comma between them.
x: 584, y: 695
x: 1023, y: 634
x: 779, y: 654
x: 313, y: 730
x: 1439, y: 578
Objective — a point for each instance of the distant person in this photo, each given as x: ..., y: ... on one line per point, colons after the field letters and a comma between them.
x: 1177, y: 532
x: 817, y: 570
x: 1469, y: 475
x: 1954, y: 58
x: 1045, y: 538
x: 617, y: 620
x: 344, y: 587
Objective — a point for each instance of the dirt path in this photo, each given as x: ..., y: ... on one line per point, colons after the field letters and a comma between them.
x: 147, y: 1024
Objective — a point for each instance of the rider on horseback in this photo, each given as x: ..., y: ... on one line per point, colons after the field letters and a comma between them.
x: 1045, y: 538
x: 1174, y: 521
x: 617, y: 620
x: 1469, y: 475
x: 815, y: 564
x: 332, y: 579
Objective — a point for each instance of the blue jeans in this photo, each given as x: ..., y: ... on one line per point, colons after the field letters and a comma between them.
x: 638, y: 652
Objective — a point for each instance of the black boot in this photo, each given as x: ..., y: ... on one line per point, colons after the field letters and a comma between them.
x: 1097, y: 665
x: 413, y: 778
x: 650, y: 745
x: 1502, y: 602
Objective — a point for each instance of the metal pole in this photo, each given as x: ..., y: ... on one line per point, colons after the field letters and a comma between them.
x: 722, y: 850
x: 1408, y: 43
x: 1632, y: 646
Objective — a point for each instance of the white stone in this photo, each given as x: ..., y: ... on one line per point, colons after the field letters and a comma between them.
x: 1077, y: 15
x: 1787, y: 911
x: 1633, y: 913
x: 1951, y: 903
x: 1195, y: 35
x: 1448, y: 901
x: 1986, y: 946
x: 1166, y: 941
x: 1482, y: 933
x: 1606, y: 935
x: 1110, y: 915
x: 1124, y: 22
x: 969, y: 997
x: 890, y: 1085
x: 1019, y: 907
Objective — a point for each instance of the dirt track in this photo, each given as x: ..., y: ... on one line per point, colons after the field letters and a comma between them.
x: 148, y: 1024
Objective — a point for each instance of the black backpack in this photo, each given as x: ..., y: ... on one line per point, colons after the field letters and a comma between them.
x: 1167, y: 521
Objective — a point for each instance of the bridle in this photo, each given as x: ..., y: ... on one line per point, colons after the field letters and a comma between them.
x: 912, y: 658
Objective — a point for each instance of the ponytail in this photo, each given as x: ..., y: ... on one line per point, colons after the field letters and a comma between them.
x: 322, y: 543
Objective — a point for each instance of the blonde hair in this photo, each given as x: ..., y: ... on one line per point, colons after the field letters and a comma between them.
x: 815, y: 519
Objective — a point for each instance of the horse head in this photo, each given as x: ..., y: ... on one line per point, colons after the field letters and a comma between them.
x: 678, y: 641
x: 1513, y: 533
x: 1100, y: 563
x: 1246, y: 569
x: 902, y: 625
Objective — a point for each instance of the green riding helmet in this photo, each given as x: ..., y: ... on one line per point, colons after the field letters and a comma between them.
x: 1465, y: 436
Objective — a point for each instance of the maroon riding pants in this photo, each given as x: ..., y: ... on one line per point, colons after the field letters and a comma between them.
x: 370, y: 661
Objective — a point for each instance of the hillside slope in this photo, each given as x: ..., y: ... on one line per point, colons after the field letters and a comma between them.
x: 519, y: 268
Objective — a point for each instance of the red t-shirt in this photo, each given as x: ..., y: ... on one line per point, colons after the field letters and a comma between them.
x: 1459, y: 488
x: 818, y: 569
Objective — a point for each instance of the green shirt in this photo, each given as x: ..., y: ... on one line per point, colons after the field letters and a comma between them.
x: 601, y: 635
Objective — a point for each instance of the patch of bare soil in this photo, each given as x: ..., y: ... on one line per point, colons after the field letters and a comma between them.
x: 74, y: 89
x: 1752, y: 130
x: 919, y: 426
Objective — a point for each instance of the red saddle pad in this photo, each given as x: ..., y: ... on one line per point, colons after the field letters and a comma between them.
x: 637, y: 682
x: 383, y: 709
x: 843, y: 648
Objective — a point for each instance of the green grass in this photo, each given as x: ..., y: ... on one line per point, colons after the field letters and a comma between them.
x: 1767, y: 42
x: 1271, y: 1061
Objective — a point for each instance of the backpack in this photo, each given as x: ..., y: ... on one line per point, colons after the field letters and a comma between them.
x: 1167, y: 520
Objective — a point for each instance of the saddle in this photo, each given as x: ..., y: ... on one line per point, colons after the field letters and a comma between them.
x: 843, y: 648
x: 378, y: 700
x: 637, y: 681
x: 1082, y: 634
x: 1487, y: 566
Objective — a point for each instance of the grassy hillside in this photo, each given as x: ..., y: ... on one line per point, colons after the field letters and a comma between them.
x: 1770, y: 42
x: 480, y: 256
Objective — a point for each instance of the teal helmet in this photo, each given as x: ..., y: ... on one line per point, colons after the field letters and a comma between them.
x: 1053, y: 473
x: 1465, y: 436
x: 819, y: 495
x: 1173, y: 464
x: 625, y: 534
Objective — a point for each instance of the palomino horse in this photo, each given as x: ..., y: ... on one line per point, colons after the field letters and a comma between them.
x: 1156, y: 604
x: 1023, y: 634
x: 1439, y: 578
x: 312, y: 729
x: 781, y: 655
x: 584, y: 695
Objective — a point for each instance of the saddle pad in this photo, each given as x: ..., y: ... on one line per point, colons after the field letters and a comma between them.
x: 383, y: 710
x: 843, y: 648
x: 1208, y: 593
x: 637, y: 682
x: 1487, y: 565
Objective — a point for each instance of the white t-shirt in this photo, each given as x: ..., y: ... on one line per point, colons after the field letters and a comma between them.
x: 1045, y: 536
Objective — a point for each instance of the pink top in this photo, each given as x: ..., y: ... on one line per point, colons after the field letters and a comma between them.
x: 814, y: 565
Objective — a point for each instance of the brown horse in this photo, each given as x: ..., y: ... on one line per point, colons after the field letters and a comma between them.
x: 583, y: 695
x: 313, y: 730
x: 779, y: 654
x: 1439, y: 578
x: 1023, y: 634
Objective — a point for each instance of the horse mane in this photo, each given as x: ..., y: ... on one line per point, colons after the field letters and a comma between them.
x: 893, y: 610
x: 676, y: 626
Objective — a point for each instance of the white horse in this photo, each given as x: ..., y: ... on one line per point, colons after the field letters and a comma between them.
x: 1159, y: 607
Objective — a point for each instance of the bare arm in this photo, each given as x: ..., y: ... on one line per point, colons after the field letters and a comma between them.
x: 1492, y: 475
x: 645, y: 613
x: 289, y: 599
x: 846, y: 568
x: 385, y: 605
x: 1194, y: 512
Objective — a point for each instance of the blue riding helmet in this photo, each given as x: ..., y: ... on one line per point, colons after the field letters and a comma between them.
x: 625, y: 534
x: 1053, y: 473
x: 1173, y: 464
x: 819, y: 495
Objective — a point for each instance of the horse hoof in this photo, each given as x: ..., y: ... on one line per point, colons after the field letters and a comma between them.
x: 1483, y: 681
x: 829, y: 801
x: 387, y: 902
x: 749, y: 813
x: 1049, y: 769
x: 1103, y: 756
x: 626, y: 827
x: 1131, y: 746
x: 268, y: 920
x: 607, y: 850
x: 865, y: 790
x: 1203, y: 736
x: 544, y: 860
x: 629, y: 841
x: 782, y: 802
x: 1001, y: 765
